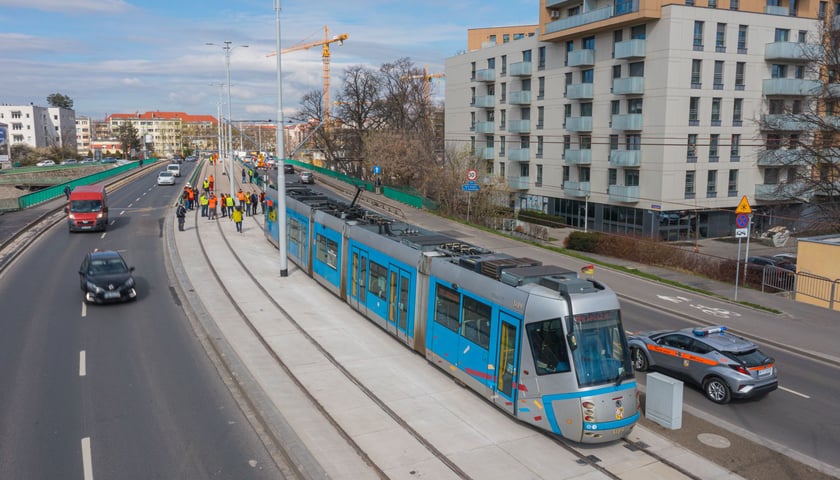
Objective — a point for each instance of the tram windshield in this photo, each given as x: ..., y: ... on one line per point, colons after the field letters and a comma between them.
x: 599, y: 348
x: 548, y: 346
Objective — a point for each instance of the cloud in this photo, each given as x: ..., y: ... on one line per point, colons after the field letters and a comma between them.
x: 71, y: 6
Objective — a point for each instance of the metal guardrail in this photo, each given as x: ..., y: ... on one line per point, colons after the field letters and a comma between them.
x: 819, y: 288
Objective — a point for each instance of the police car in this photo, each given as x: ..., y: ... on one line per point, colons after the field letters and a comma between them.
x: 726, y: 366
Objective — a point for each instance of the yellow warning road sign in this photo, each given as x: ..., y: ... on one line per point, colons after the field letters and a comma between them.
x: 744, y: 206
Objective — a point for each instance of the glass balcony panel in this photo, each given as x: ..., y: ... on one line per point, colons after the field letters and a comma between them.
x: 790, y: 86
x: 520, y: 98
x: 578, y: 157
x: 519, y: 126
x: 578, y: 91
x: 520, y: 69
x: 484, y: 127
x: 519, y: 154
x: 623, y: 193
x: 628, y: 121
x: 780, y: 157
x: 629, y: 86
x: 485, y: 101
x: 485, y: 75
x: 782, y: 191
x: 576, y: 189
x: 487, y: 153
x: 625, y: 158
x: 579, y: 124
x: 789, y: 122
x: 582, y: 58
x: 518, y: 183
x: 631, y: 49
x: 582, y: 19
x: 776, y: 10
x: 792, y: 52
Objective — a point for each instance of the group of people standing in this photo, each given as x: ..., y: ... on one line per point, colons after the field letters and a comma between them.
x: 209, y: 204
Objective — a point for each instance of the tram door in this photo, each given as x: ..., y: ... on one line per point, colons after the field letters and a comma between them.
x: 399, y: 301
x: 507, y: 363
x: 358, y: 279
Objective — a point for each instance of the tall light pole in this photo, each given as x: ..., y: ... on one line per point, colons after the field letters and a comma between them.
x: 220, y: 145
x: 281, y: 180
x: 227, y: 48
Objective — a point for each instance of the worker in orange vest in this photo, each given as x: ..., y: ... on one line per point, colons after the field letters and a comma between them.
x: 211, y: 180
x: 211, y: 206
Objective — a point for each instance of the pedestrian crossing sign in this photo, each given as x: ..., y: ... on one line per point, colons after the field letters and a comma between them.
x: 744, y: 206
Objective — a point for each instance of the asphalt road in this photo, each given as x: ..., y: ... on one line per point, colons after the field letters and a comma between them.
x: 116, y: 391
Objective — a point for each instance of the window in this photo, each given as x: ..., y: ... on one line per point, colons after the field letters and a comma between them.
x: 491, y: 63
x: 799, y: 72
x: 567, y: 112
x: 796, y: 107
x: 447, y: 306
x: 502, y: 119
x: 584, y: 174
x: 737, y: 111
x: 778, y: 71
x: 720, y: 38
x: 615, y: 107
x: 617, y: 38
x: 714, y: 142
x: 548, y: 346
x: 567, y: 143
x: 538, y: 181
x: 568, y: 81
x: 735, y: 148
x: 585, y: 142
x: 822, y: 9
x: 588, y: 43
x: 638, y: 32
x: 698, y: 35
x: 476, y: 323
x: 613, y: 142
x: 472, y: 69
x: 566, y: 173
x: 634, y: 141
x: 716, y: 111
x: 502, y: 145
x: 781, y: 35
x: 711, y: 184
x: 712, y: 3
x: 691, y: 150
x: 732, y: 184
x: 742, y: 38
x: 540, y: 146
x: 526, y: 55
x: 540, y: 117
x: 504, y: 65
x: 505, y: 38
x: 636, y: 69
x: 776, y: 106
x: 694, y: 111
x: 570, y: 47
x: 472, y: 120
x: 326, y: 251
x: 631, y: 178
x: 717, y: 81
x: 612, y: 176
x: 689, y: 184
x: 634, y: 105
x: 541, y: 58
x: 740, y: 69
x: 586, y: 109
x: 540, y: 88
x: 587, y: 76
x: 503, y: 95
x: 734, y: 4
x: 696, y: 67
x: 616, y: 71
x: 803, y: 36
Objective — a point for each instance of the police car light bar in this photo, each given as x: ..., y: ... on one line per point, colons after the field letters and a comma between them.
x: 703, y: 331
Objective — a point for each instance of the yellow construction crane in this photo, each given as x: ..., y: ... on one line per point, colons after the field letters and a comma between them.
x: 325, y: 43
x: 427, y: 81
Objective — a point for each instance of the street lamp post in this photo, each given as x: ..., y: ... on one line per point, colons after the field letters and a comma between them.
x: 281, y: 181
x: 227, y: 48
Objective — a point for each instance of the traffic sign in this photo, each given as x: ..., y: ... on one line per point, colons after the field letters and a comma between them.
x: 377, y: 170
x: 744, y: 206
x: 472, y: 175
x: 742, y: 220
x: 741, y: 233
x: 470, y: 187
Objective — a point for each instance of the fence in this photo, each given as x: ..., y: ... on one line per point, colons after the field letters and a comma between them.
x: 820, y: 290
x: 49, y: 193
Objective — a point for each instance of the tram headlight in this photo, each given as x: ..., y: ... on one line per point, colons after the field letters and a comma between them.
x: 588, y: 411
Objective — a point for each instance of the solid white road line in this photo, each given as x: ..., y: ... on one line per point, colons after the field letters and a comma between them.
x: 82, y: 363
x: 84, y: 308
x: 87, y: 465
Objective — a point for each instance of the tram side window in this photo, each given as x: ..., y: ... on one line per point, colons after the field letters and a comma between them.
x: 548, y: 346
x: 447, y: 307
x: 476, y: 322
x: 326, y: 251
x: 295, y: 232
x: 378, y: 277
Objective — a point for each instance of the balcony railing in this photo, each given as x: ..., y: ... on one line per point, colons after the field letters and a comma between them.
x: 576, y: 189
x: 792, y: 52
x: 485, y: 75
x: 487, y: 153
x: 782, y: 191
x: 776, y: 10
x: 485, y: 101
x: 580, y: 91
x: 592, y: 16
x: 579, y: 124
x: 790, y: 87
x: 582, y: 58
x: 520, y: 69
x: 623, y: 193
x: 628, y: 121
x: 519, y: 154
x: 625, y: 158
x: 629, y: 86
x: 519, y: 126
x: 780, y: 157
x: 522, y: 97
x: 789, y: 122
x: 631, y: 49
x: 518, y: 183
x: 578, y: 157
x: 485, y: 127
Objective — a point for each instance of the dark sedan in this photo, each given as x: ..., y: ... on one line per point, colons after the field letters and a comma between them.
x: 105, y: 277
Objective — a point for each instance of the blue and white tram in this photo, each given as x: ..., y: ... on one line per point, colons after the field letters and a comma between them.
x: 537, y: 341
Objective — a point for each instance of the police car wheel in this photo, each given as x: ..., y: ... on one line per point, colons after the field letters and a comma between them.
x: 717, y: 390
x: 640, y: 361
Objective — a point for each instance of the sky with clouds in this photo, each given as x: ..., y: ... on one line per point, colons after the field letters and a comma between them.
x: 123, y: 56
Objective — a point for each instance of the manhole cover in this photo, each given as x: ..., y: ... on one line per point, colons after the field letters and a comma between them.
x: 713, y: 440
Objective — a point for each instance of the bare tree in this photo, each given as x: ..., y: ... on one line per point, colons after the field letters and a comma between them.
x: 800, y: 159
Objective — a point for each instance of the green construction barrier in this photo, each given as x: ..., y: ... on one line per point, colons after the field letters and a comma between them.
x: 50, y: 193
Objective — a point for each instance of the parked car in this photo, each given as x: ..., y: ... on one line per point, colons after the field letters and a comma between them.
x: 108, y: 160
x: 761, y: 261
x: 105, y: 277
x: 88, y: 160
x: 166, y: 178
x: 45, y: 163
x: 724, y: 365
x: 69, y: 161
x: 307, y: 177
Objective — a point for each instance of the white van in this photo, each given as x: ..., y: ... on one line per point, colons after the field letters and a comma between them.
x: 174, y: 168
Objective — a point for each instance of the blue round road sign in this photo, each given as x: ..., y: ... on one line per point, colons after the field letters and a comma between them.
x: 742, y: 220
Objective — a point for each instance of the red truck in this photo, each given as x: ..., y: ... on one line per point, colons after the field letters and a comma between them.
x: 88, y: 208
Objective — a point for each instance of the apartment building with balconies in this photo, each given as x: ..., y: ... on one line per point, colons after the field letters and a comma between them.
x: 639, y: 116
x: 39, y: 127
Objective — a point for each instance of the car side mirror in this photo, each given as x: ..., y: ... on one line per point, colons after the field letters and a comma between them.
x: 572, y: 341
x: 130, y: 269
